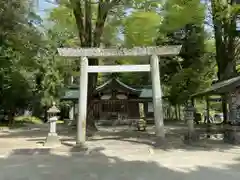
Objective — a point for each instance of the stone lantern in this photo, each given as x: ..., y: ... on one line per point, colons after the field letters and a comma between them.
x: 189, y: 111
x: 52, y: 137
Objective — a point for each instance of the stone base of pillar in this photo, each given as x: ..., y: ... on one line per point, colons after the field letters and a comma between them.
x: 80, y: 147
x: 160, y: 143
x: 191, y: 138
x: 52, y: 140
x: 232, y: 135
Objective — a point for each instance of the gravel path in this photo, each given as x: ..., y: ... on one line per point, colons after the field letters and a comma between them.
x: 114, y: 157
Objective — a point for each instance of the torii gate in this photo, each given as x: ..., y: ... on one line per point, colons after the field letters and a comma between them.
x: 153, y: 52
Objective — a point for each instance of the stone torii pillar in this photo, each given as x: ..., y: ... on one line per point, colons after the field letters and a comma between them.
x: 157, y: 99
x: 82, y: 105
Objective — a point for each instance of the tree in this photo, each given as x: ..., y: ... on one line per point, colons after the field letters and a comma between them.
x: 224, y: 15
x: 20, y: 40
x: 192, y: 70
x: 90, y: 19
x: 136, y: 36
x: 103, y: 22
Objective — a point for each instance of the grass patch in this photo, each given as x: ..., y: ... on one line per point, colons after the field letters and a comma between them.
x: 28, y: 120
x: 60, y: 122
x: 3, y: 125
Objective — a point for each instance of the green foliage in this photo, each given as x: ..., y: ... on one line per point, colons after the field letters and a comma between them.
x: 31, y: 72
x: 141, y: 28
x: 224, y: 16
x: 188, y: 81
x: 194, y: 69
x: 52, y: 69
x: 64, y: 28
x: 19, y: 44
x: 178, y: 13
x: 52, y: 79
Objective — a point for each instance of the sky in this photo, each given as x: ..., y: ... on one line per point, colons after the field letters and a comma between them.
x: 43, y: 6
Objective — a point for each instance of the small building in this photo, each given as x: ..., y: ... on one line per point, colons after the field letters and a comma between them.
x: 115, y: 100
x: 230, y: 88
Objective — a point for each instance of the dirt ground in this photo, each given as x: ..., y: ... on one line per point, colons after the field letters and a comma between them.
x: 114, y: 154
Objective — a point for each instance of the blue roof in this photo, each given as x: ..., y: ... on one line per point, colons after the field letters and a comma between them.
x: 146, y: 93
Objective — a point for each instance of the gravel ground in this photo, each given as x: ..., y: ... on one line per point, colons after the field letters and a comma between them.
x: 114, y: 154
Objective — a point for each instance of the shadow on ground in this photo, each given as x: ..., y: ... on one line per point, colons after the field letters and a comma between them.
x: 174, y: 138
x: 42, y: 164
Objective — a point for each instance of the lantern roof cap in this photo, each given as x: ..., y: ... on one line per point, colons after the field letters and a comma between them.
x: 189, y: 107
x: 53, y: 109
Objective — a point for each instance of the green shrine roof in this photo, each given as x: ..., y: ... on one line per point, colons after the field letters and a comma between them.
x: 73, y: 93
x: 146, y: 93
x: 221, y: 87
x: 118, y: 82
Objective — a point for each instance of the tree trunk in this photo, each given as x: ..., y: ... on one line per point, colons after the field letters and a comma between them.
x: 176, y: 112
x: 224, y: 109
x: 168, y: 112
x: 179, y: 112
x: 90, y: 116
x: 92, y: 83
x: 45, y: 115
x: 11, y: 115
x: 230, y: 71
x: 172, y: 112
x: 90, y: 37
